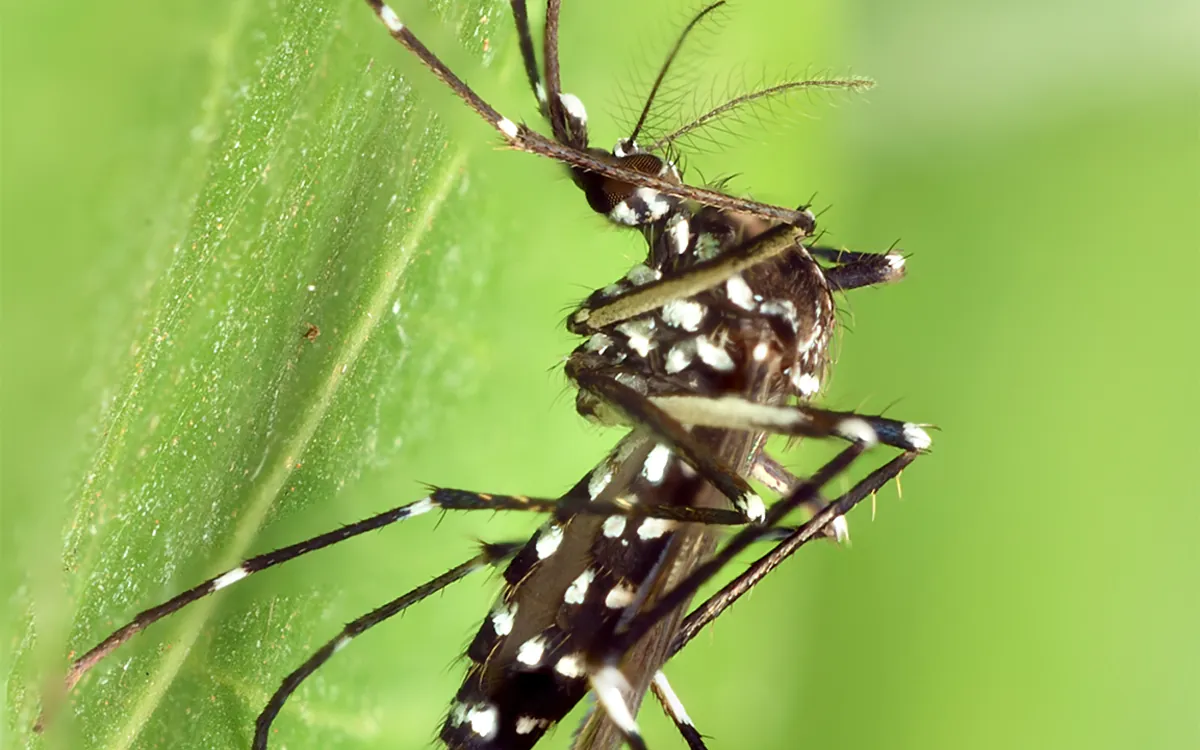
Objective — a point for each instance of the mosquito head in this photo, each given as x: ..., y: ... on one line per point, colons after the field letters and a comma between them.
x: 627, y: 203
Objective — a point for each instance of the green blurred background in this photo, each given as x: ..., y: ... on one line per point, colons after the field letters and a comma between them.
x: 187, y: 187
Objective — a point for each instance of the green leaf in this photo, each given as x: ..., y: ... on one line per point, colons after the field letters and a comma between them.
x: 327, y: 294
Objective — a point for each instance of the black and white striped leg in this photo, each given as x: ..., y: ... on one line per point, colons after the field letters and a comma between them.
x: 606, y: 679
x: 490, y: 555
x: 528, y: 55
x: 779, y: 480
x: 439, y: 500
x: 737, y: 413
x: 148, y: 617
x: 638, y: 410
x: 804, y: 492
x: 569, y: 506
x: 674, y: 709
x: 852, y: 270
x: 522, y: 138
x: 705, y: 613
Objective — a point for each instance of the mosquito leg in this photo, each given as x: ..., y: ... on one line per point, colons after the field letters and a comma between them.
x: 522, y: 138
x: 640, y: 411
x: 569, y: 506
x: 611, y: 689
x: 253, y: 565
x: 736, y: 413
x: 853, y: 270
x: 674, y: 709
x: 444, y: 500
x: 491, y: 554
x: 606, y: 679
x: 560, y: 123
x: 705, y: 613
x: 599, y: 312
x: 781, y: 481
x: 528, y: 55
x: 644, y: 621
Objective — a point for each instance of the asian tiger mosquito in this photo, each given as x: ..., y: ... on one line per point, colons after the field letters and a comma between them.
x: 717, y: 340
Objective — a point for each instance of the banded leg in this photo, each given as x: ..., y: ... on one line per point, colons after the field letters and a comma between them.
x: 715, y: 605
x: 801, y: 420
x: 853, y: 270
x: 708, y: 611
x: 521, y: 138
x: 528, y: 55
x: 443, y: 499
x: 781, y: 481
x: 606, y: 679
x: 674, y: 709
x: 666, y: 416
x: 491, y: 555
x: 249, y: 567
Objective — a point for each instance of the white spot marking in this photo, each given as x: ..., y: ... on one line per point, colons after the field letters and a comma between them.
x: 570, y: 666
x: 503, y: 618
x: 712, y: 355
x: 391, y: 20
x: 577, y: 591
x: 614, y: 526
x: 678, y: 233
x: 341, y: 643
x: 609, y: 683
x: 484, y: 720
x: 639, y: 333
x: 707, y: 246
x: 599, y: 480
x: 623, y: 214
x: 548, y: 541
x: 526, y: 724
x: 612, y: 290
x: 620, y: 597
x: 683, y: 313
x: 853, y: 428
x: 574, y: 107
x: 642, y: 274
x: 760, y: 351
x: 841, y: 529
x: 458, y: 714
x: 918, y: 438
x: 420, y: 507
x: 896, y: 261
x: 598, y: 343
x: 674, y: 705
x: 739, y: 293
x: 680, y: 356
x: 631, y: 380
x: 508, y: 127
x: 229, y: 578
x: 655, y: 467
x: 784, y: 308
x: 531, y: 651
x: 753, y: 506
x: 657, y: 205
x: 806, y: 383
x: 653, y: 528
x: 540, y: 92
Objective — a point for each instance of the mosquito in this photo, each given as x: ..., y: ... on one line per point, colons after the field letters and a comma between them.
x: 719, y: 339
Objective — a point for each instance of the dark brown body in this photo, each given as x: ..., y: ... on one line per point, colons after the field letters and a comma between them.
x: 509, y: 699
